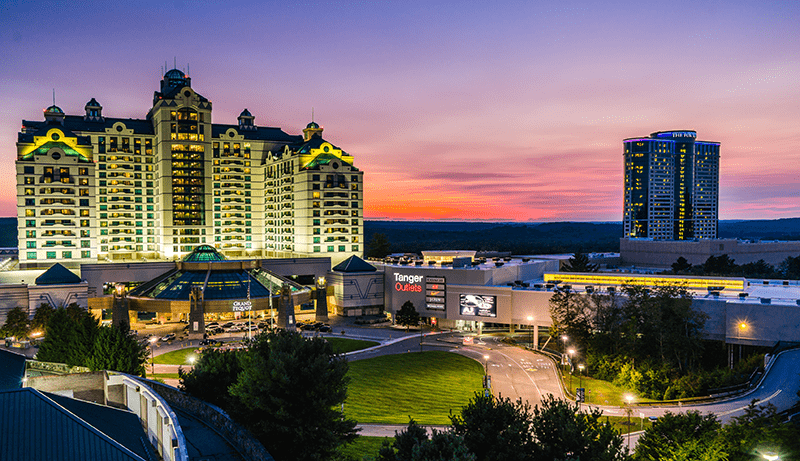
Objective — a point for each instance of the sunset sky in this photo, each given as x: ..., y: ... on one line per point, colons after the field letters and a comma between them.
x: 506, y: 111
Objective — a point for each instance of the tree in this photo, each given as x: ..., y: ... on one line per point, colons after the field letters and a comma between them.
x: 498, y: 429
x: 16, y: 323
x: 41, y: 317
x: 69, y: 337
x: 213, y: 373
x: 689, y: 436
x: 378, y: 246
x: 562, y: 432
x: 579, y: 262
x: 720, y: 265
x: 495, y: 428
x: 681, y: 266
x: 790, y: 268
x: 289, y: 391
x: 571, y: 316
x: 413, y: 444
x: 407, y: 316
x: 758, y: 431
x: 116, y: 349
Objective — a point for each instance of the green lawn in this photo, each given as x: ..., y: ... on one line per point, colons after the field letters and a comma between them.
x: 363, y: 446
x: 163, y: 376
x: 176, y: 357
x: 601, y: 392
x: 423, y: 385
x: 344, y: 345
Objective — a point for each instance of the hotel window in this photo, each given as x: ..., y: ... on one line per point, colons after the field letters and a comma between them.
x: 66, y: 254
x: 51, y: 255
x: 30, y: 223
x: 316, y: 250
x: 86, y: 254
x: 31, y: 255
x: 341, y: 248
x: 30, y: 244
x: 355, y: 247
x: 330, y: 248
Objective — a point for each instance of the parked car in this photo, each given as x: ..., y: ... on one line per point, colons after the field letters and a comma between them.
x: 210, y: 342
x: 168, y: 337
x: 325, y: 329
x: 227, y: 325
x: 212, y: 325
x: 234, y: 329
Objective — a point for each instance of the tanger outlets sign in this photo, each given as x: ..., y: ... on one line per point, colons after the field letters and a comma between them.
x: 405, y: 282
x: 419, y: 288
x: 242, y: 306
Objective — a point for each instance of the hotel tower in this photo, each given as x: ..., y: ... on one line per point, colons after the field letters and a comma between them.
x: 93, y: 188
x: 671, y: 187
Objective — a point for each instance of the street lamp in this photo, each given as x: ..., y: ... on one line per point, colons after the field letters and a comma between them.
x: 629, y: 399
x: 770, y: 456
x: 530, y: 330
x: 152, y: 355
x: 571, y: 352
x: 580, y: 375
x: 486, y: 364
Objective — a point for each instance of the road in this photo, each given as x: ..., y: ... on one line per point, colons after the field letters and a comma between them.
x: 519, y: 373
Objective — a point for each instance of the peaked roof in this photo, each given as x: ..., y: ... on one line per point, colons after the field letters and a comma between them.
x: 42, y: 429
x: 12, y: 369
x: 57, y: 275
x: 354, y: 264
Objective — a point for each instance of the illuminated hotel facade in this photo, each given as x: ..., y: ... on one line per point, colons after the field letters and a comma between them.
x: 671, y: 187
x: 92, y: 188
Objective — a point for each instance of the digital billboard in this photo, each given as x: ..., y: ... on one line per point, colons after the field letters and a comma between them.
x: 478, y: 305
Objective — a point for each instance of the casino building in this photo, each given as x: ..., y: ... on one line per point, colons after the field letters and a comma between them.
x: 671, y: 187
x: 92, y: 188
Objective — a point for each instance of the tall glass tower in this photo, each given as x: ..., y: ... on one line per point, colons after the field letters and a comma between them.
x: 671, y: 187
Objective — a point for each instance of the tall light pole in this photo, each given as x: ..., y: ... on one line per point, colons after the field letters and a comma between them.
x: 629, y: 399
x: 152, y: 355
x: 530, y: 330
x: 580, y: 375
x: 571, y: 353
x: 564, y: 339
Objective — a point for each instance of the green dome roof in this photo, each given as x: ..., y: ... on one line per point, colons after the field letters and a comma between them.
x: 204, y: 253
x: 312, y: 125
x: 53, y: 110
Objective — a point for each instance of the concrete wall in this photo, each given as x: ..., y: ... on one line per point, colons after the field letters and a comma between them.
x: 651, y: 253
x: 30, y: 297
x: 359, y: 293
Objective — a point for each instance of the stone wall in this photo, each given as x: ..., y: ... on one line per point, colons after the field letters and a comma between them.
x: 238, y: 436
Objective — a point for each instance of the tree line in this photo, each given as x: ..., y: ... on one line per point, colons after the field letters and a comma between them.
x: 725, y: 266
x: 75, y: 337
x: 497, y: 429
x: 648, y: 340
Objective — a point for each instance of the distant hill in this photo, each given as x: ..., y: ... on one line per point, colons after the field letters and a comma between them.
x: 555, y: 237
x: 518, y: 238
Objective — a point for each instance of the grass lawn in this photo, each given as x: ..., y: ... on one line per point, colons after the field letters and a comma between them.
x: 363, y: 446
x: 601, y: 392
x: 344, y: 345
x: 163, y: 376
x: 176, y: 357
x: 425, y: 386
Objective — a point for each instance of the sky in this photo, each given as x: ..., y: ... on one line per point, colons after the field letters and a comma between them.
x: 501, y: 111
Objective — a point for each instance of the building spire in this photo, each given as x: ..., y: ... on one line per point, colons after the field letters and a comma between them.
x: 54, y: 96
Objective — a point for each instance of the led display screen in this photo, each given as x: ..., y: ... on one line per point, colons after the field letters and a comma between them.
x: 478, y: 305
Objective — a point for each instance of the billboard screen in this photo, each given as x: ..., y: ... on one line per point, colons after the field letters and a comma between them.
x: 478, y: 305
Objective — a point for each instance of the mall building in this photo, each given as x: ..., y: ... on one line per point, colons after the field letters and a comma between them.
x: 511, y: 293
x: 92, y: 188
